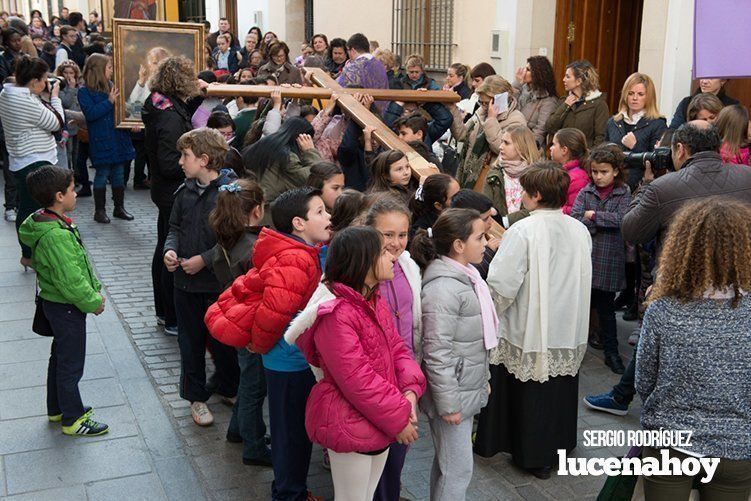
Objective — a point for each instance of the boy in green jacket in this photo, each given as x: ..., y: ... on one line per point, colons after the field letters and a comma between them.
x: 68, y: 290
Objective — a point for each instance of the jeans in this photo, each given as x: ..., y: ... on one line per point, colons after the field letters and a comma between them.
x: 67, y: 357
x: 290, y: 446
x: 247, y: 413
x: 624, y: 391
x: 603, y: 303
x: 113, y: 172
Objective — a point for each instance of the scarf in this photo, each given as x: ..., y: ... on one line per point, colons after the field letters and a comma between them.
x: 487, y: 308
x: 512, y: 171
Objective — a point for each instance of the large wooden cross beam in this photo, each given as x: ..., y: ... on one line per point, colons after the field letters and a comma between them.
x: 421, y: 168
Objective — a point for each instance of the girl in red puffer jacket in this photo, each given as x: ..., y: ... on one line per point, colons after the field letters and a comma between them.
x: 367, y: 398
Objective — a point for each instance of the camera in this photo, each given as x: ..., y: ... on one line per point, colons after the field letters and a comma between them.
x: 51, y: 81
x: 660, y: 158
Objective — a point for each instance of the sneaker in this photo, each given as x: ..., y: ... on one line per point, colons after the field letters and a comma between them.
x: 202, y: 416
x: 56, y: 418
x: 86, y: 426
x: 161, y: 320
x: 170, y: 330
x: 606, y: 403
x: 326, y: 460
x: 10, y: 215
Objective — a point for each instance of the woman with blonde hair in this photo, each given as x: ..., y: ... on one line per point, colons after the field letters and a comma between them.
x: 637, y: 125
x: 584, y: 106
x: 110, y: 149
x: 387, y: 58
x: 694, y: 358
x: 502, y: 186
x: 458, y: 80
x: 482, y: 133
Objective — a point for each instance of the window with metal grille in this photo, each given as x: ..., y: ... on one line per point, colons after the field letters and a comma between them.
x: 424, y: 27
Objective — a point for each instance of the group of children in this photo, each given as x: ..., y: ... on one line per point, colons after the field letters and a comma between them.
x: 381, y: 332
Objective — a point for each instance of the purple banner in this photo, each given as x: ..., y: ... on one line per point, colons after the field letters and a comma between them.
x: 722, y: 37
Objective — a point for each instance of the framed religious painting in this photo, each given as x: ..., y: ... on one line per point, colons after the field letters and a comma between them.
x: 144, y: 10
x: 138, y: 47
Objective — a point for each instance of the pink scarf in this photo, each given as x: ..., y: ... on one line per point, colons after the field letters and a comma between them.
x: 487, y: 309
x: 512, y: 171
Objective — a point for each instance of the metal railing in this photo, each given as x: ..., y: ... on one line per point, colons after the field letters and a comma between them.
x: 424, y: 27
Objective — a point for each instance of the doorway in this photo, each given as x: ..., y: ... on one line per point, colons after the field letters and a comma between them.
x: 605, y: 32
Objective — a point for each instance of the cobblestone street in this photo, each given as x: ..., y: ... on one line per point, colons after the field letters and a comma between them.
x: 121, y: 253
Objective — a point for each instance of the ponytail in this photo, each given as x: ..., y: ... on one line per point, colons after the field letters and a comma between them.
x: 434, y: 190
x: 463, y: 72
x: 230, y: 216
x: 27, y: 68
x: 452, y: 225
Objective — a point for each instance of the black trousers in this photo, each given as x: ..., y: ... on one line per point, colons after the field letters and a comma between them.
x: 139, y: 176
x: 193, y: 338
x: 604, y: 304
x: 290, y: 450
x: 162, y: 280
x: 66, y: 360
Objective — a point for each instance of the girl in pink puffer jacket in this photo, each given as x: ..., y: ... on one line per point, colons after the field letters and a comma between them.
x: 367, y: 397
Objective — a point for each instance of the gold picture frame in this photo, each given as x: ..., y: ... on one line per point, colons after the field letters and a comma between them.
x: 122, y: 9
x: 138, y: 46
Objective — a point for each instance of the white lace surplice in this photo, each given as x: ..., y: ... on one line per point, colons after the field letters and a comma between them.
x: 540, y: 279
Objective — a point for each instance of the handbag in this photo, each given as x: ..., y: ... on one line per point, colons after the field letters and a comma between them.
x: 620, y: 487
x: 41, y: 324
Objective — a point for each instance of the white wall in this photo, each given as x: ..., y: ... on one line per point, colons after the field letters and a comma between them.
x: 528, y: 27
x: 245, y: 16
x: 675, y: 80
x: 343, y: 19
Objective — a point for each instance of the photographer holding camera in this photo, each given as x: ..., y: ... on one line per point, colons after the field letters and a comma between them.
x: 700, y: 173
x: 30, y: 126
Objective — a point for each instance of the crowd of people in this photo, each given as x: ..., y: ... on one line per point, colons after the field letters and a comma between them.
x: 327, y: 280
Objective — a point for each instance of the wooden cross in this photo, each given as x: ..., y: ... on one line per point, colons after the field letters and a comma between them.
x: 421, y: 168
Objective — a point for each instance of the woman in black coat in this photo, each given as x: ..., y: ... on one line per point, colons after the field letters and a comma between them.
x: 711, y: 85
x: 638, y: 125
x: 166, y: 117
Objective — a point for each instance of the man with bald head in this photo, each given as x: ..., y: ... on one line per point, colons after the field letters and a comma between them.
x: 700, y: 173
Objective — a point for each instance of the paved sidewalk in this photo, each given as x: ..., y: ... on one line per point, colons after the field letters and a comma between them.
x: 141, y: 458
x: 121, y: 253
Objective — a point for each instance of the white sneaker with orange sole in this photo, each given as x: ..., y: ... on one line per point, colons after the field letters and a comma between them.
x: 202, y: 416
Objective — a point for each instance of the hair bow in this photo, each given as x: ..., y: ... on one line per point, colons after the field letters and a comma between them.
x: 418, y: 194
x: 232, y: 187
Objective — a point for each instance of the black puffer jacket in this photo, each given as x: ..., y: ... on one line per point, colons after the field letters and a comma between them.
x: 190, y: 233
x: 164, y: 123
